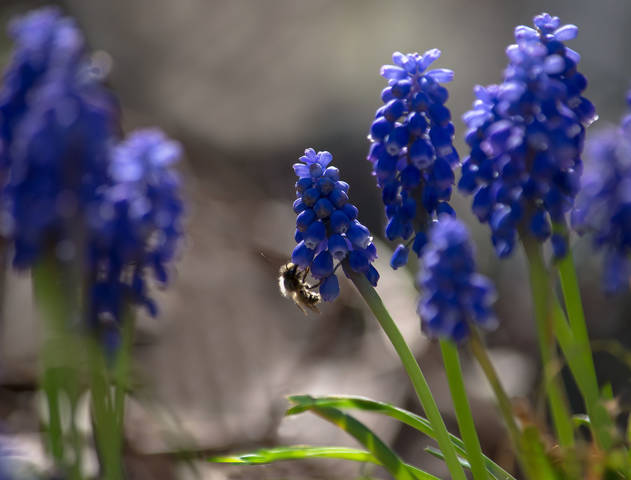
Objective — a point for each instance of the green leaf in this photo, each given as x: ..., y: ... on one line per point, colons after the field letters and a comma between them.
x: 581, y: 420
x: 298, y: 452
x: 269, y: 455
x: 307, y: 402
x: 390, y: 460
x: 438, y: 454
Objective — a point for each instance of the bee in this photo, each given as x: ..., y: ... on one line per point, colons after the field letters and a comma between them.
x: 292, y: 284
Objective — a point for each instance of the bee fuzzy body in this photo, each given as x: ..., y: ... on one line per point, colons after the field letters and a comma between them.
x: 291, y: 282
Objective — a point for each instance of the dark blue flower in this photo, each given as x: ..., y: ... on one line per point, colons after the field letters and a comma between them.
x: 412, y: 151
x: 454, y: 295
x: 603, y: 206
x: 58, y: 148
x: 139, y: 223
x: 46, y: 45
x: 112, y: 212
x: 327, y: 229
x: 526, y: 137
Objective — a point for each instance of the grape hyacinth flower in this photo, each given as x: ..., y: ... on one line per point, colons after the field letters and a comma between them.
x: 412, y: 151
x: 46, y: 44
x: 603, y: 206
x: 526, y: 138
x: 140, y: 224
x: 454, y: 296
x: 58, y: 125
x: 327, y: 229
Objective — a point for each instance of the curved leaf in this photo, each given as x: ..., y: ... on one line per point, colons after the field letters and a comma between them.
x: 269, y: 455
x: 297, y: 452
x: 308, y: 402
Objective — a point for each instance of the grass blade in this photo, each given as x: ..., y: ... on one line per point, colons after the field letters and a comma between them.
x: 269, y: 455
x: 307, y: 402
x: 451, y: 361
x: 298, y: 452
x: 390, y: 460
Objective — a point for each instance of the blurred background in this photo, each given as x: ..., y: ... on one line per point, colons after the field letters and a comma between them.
x: 246, y: 86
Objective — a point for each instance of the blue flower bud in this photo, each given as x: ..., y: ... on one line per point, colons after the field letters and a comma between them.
x: 419, y: 242
x: 299, y: 206
x: 400, y: 257
x: 323, y: 208
x: 338, y: 246
x: 380, y: 128
x: 304, y: 219
x: 338, y: 197
x: 303, y: 184
x: 325, y: 185
x: 339, y: 222
x: 394, y: 109
x: 372, y: 275
x: 315, y: 233
x: 330, y: 288
x: 310, y: 196
x: 358, y: 261
x: 322, y: 265
x: 358, y: 235
x: 350, y: 210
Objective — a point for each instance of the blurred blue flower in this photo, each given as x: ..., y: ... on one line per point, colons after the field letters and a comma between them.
x: 113, y: 211
x: 58, y: 124
x: 453, y: 294
x: 526, y: 138
x: 412, y: 151
x: 46, y: 45
x: 139, y: 223
x: 327, y: 229
x: 603, y: 206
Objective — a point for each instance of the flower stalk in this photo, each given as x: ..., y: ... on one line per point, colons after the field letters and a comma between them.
x: 411, y: 366
x: 451, y: 361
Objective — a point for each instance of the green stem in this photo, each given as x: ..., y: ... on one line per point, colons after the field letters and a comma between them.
x: 466, y: 425
x: 122, y: 367
x: 52, y: 391
x: 55, y: 292
x: 528, y: 446
x: 541, y: 288
x: 412, y: 368
x: 504, y: 403
x: 106, y: 429
x: 588, y: 383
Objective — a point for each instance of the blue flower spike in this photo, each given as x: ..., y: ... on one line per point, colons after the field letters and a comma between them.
x: 70, y: 188
x: 526, y: 138
x: 454, y: 296
x: 58, y: 124
x: 327, y: 229
x: 140, y: 226
x: 603, y: 206
x: 412, y: 150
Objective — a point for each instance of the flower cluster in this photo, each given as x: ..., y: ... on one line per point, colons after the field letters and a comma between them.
x: 139, y: 223
x: 603, y: 206
x: 47, y: 46
x: 58, y: 124
x: 526, y: 138
x: 70, y: 188
x: 327, y: 228
x: 453, y: 294
x: 412, y: 151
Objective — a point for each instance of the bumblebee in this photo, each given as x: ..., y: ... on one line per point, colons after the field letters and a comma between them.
x: 292, y: 284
